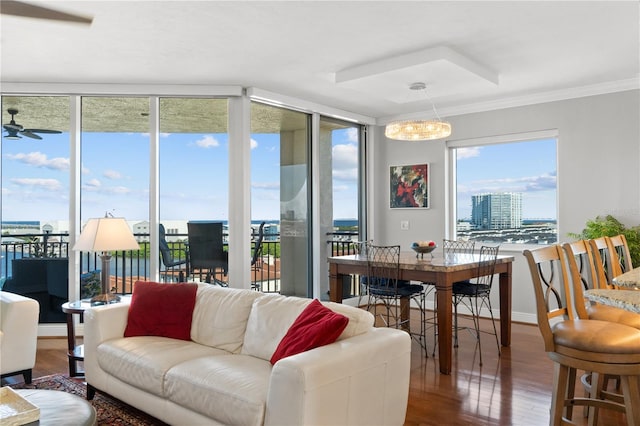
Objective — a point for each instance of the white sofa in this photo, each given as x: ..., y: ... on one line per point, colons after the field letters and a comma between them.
x: 18, y: 334
x: 224, y: 375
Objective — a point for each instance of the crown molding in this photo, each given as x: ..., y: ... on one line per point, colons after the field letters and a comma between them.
x: 517, y: 101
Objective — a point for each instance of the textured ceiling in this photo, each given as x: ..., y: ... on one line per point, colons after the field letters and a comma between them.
x: 473, y: 55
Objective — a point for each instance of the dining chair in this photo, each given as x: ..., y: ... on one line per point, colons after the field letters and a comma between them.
x: 450, y: 248
x: 168, y: 260
x: 602, y: 347
x: 206, y: 255
x: 602, y: 259
x: 383, y: 286
x: 619, y: 254
x: 583, y: 269
x: 475, y: 294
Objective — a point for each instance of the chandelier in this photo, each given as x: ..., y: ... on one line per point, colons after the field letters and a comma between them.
x: 418, y: 130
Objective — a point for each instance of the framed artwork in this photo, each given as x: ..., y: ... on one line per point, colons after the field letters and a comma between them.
x: 409, y: 186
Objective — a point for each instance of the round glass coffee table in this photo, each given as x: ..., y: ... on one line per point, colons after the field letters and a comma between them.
x: 60, y: 408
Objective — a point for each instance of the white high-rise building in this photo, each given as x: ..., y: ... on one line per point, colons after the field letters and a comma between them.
x: 496, y: 210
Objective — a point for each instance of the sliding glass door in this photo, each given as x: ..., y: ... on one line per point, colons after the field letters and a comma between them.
x: 280, y: 197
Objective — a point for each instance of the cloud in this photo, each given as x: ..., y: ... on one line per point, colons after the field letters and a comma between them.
x: 345, y: 162
x: 46, y: 184
x: 352, y: 134
x: 39, y: 159
x: 462, y: 153
x: 544, y: 182
x: 93, y: 183
x: 269, y: 186
x: 112, y: 174
x: 254, y: 143
x: 207, y: 142
x: 117, y: 190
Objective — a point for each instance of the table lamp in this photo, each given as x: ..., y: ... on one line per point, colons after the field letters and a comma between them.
x: 105, y: 235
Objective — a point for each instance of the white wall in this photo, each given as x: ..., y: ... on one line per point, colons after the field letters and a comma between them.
x: 598, y: 172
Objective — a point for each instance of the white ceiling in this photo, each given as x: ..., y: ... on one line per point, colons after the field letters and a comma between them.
x: 358, y: 56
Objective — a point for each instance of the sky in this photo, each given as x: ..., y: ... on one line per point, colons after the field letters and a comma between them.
x: 525, y: 167
x: 194, y: 176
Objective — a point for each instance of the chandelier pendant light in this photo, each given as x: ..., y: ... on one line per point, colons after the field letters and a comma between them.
x: 418, y: 130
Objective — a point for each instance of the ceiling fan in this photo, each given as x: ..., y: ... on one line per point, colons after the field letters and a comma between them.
x: 18, y: 8
x: 14, y: 130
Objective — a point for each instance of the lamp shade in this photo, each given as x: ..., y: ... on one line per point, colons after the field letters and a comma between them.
x: 106, y: 234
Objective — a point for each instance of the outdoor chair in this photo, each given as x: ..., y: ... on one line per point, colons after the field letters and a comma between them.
x: 168, y: 260
x: 256, y: 257
x: 205, y: 254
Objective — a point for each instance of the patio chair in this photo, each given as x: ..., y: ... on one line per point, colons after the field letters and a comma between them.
x: 205, y: 254
x: 168, y: 260
x: 256, y: 257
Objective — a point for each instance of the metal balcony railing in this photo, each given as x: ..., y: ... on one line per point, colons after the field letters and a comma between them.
x: 129, y: 266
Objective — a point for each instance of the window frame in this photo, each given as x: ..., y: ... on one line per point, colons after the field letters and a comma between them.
x: 451, y: 182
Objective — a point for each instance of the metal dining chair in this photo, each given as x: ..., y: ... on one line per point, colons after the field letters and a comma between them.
x: 384, y: 287
x: 475, y: 294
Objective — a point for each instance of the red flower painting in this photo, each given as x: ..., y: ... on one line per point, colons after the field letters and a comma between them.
x: 409, y: 186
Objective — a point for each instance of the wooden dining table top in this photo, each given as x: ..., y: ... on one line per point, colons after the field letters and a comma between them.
x: 629, y: 279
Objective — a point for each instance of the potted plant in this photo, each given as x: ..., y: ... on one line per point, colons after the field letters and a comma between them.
x: 609, y: 226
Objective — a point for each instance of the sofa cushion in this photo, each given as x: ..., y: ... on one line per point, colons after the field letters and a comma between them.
x: 272, y: 315
x: 161, y: 310
x: 231, y: 389
x: 316, y: 326
x: 144, y: 361
x: 220, y: 316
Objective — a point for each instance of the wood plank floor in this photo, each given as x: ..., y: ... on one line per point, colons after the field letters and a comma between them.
x: 513, y: 389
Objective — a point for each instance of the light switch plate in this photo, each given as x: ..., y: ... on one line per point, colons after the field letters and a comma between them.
x: 404, y: 225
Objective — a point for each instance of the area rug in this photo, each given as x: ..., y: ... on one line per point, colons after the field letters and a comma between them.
x: 110, y: 411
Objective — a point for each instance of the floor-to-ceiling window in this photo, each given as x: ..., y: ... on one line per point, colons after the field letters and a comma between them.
x: 194, y: 170
x: 339, y: 198
x: 114, y: 155
x: 116, y: 161
x: 280, y: 195
x: 35, y: 200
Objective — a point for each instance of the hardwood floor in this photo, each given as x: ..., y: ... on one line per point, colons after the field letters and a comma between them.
x: 513, y: 389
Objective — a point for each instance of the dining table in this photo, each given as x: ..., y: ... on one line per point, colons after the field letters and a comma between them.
x: 441, y: 271
x: 630, y: 279
x: 629, y: 300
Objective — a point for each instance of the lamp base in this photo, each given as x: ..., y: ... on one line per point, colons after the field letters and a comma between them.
x: 104, y: 299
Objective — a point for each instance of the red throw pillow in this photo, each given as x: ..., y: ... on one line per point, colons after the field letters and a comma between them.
x: 161, y: 310
x: 316, y: 326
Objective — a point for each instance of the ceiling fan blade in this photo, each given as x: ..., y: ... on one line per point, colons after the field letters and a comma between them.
x: 12, y: 127
x: 18, y: 8
x: 41, y: 131
x: 30, y: 135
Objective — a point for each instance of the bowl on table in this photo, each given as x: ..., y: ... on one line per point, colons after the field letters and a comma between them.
x: 421, y: 248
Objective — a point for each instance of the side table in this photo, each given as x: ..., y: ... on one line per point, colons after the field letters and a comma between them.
x: 75, y: 352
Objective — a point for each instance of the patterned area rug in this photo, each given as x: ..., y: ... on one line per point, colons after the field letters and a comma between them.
x: 110, y: 411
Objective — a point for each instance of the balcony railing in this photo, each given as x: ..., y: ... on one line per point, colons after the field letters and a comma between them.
x: 129, y: 266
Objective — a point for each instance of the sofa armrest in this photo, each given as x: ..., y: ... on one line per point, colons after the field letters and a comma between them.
x: 360, y: 380
x: 102, y: 323
x: 19, y: 337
